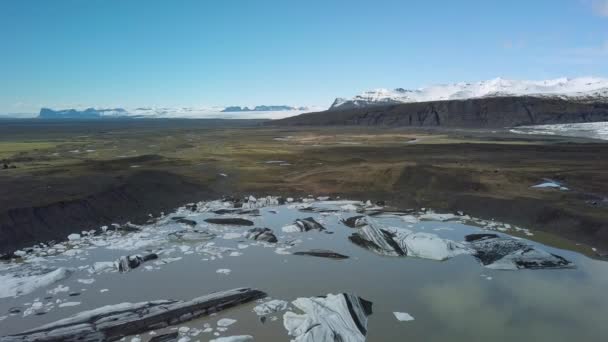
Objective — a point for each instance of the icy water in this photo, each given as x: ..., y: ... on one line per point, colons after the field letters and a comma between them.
x: 457, y: 299
x: 594, y: 130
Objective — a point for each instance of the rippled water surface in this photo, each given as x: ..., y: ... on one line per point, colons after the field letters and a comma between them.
x: 456, y: 299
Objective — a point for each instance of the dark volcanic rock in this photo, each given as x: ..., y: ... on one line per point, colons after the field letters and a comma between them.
x: 322, y: 253
x: 261, y: 234
x: 234, y: 221
x: 487, y: 112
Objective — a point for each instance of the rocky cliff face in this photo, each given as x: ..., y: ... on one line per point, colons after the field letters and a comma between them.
x: 494, y: 112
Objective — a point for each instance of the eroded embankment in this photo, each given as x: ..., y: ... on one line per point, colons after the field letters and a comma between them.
x: 133, y: 199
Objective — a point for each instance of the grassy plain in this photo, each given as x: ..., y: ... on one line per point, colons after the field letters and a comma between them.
x: 485, y: 173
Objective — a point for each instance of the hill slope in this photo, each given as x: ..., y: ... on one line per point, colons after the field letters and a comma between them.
x: 487, y: 112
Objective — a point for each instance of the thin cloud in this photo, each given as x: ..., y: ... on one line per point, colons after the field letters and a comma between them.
x: 600, y: 7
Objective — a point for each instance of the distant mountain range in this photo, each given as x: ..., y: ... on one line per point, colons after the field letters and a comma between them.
x: 262, y: 109
x: 579, y: 89
x: 234, y: 112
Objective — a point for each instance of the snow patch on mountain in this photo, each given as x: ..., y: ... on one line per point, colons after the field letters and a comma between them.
x: 582, y: 88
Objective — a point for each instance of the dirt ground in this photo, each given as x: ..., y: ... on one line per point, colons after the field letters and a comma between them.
x: 74, y: 176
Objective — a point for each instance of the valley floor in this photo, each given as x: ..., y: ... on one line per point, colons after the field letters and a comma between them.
x: 73, y: 176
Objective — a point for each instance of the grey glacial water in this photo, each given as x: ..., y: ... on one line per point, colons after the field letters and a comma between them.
x: 457, y: 299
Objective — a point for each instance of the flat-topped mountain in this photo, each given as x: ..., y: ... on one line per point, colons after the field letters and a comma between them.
x: 580, y: 89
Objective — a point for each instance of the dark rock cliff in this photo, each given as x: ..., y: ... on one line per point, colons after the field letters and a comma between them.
x: 496, y: 112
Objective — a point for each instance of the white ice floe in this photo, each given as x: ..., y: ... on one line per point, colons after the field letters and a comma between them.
x: 433, y: 216
x: 68, y: 304
x: 403, y: 316
x: 349, y: 207
x: 226, y: 322
x: 340, y: 317
x: 429, y: 246
x: 292, y: 228
x: 270, y: 307
x: 232, y: 236
x: 59, y: 289
x: 74, y: 237
x: 103, y: 266
x: 403, y: 242
x: 87, y: 281
x: 225, y: 271
x: 12, y: 285
x: 239, y: 338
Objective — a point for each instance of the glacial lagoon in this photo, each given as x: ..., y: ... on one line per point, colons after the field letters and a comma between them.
x: 424, y: 280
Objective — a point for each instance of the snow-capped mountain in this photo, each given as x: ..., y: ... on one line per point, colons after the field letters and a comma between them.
x: 583, y: 88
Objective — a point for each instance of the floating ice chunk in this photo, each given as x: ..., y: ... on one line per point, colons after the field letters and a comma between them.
x: 232, y: 236
x: 183, y: 330
x: 60, y: 288
x: 12, y: 285
x: 235, y: 254
x: 103, y: 266
x: 68, y: 304
x: 433, y: 216
x: 502, y: 253
x: 135, y: 241
x: 239, y: 338
x: 349, y: 207
x: 292, y: 228
x: 223, y: 271
x: 74, y: 237
x: 88, y: 281
x: 341, y: 317
x: 404, y: 242
x: 282, y: 251
x: 103, y: 290
x: 19, y: 253
x: 226, y: 322
x: 403, y: 316
x: 430, y: 246
x: 269, y: 307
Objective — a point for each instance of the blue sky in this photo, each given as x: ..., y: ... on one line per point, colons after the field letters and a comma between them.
x: 131, y: 53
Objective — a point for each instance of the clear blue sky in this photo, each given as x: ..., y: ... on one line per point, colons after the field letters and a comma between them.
x: 206, y: 53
